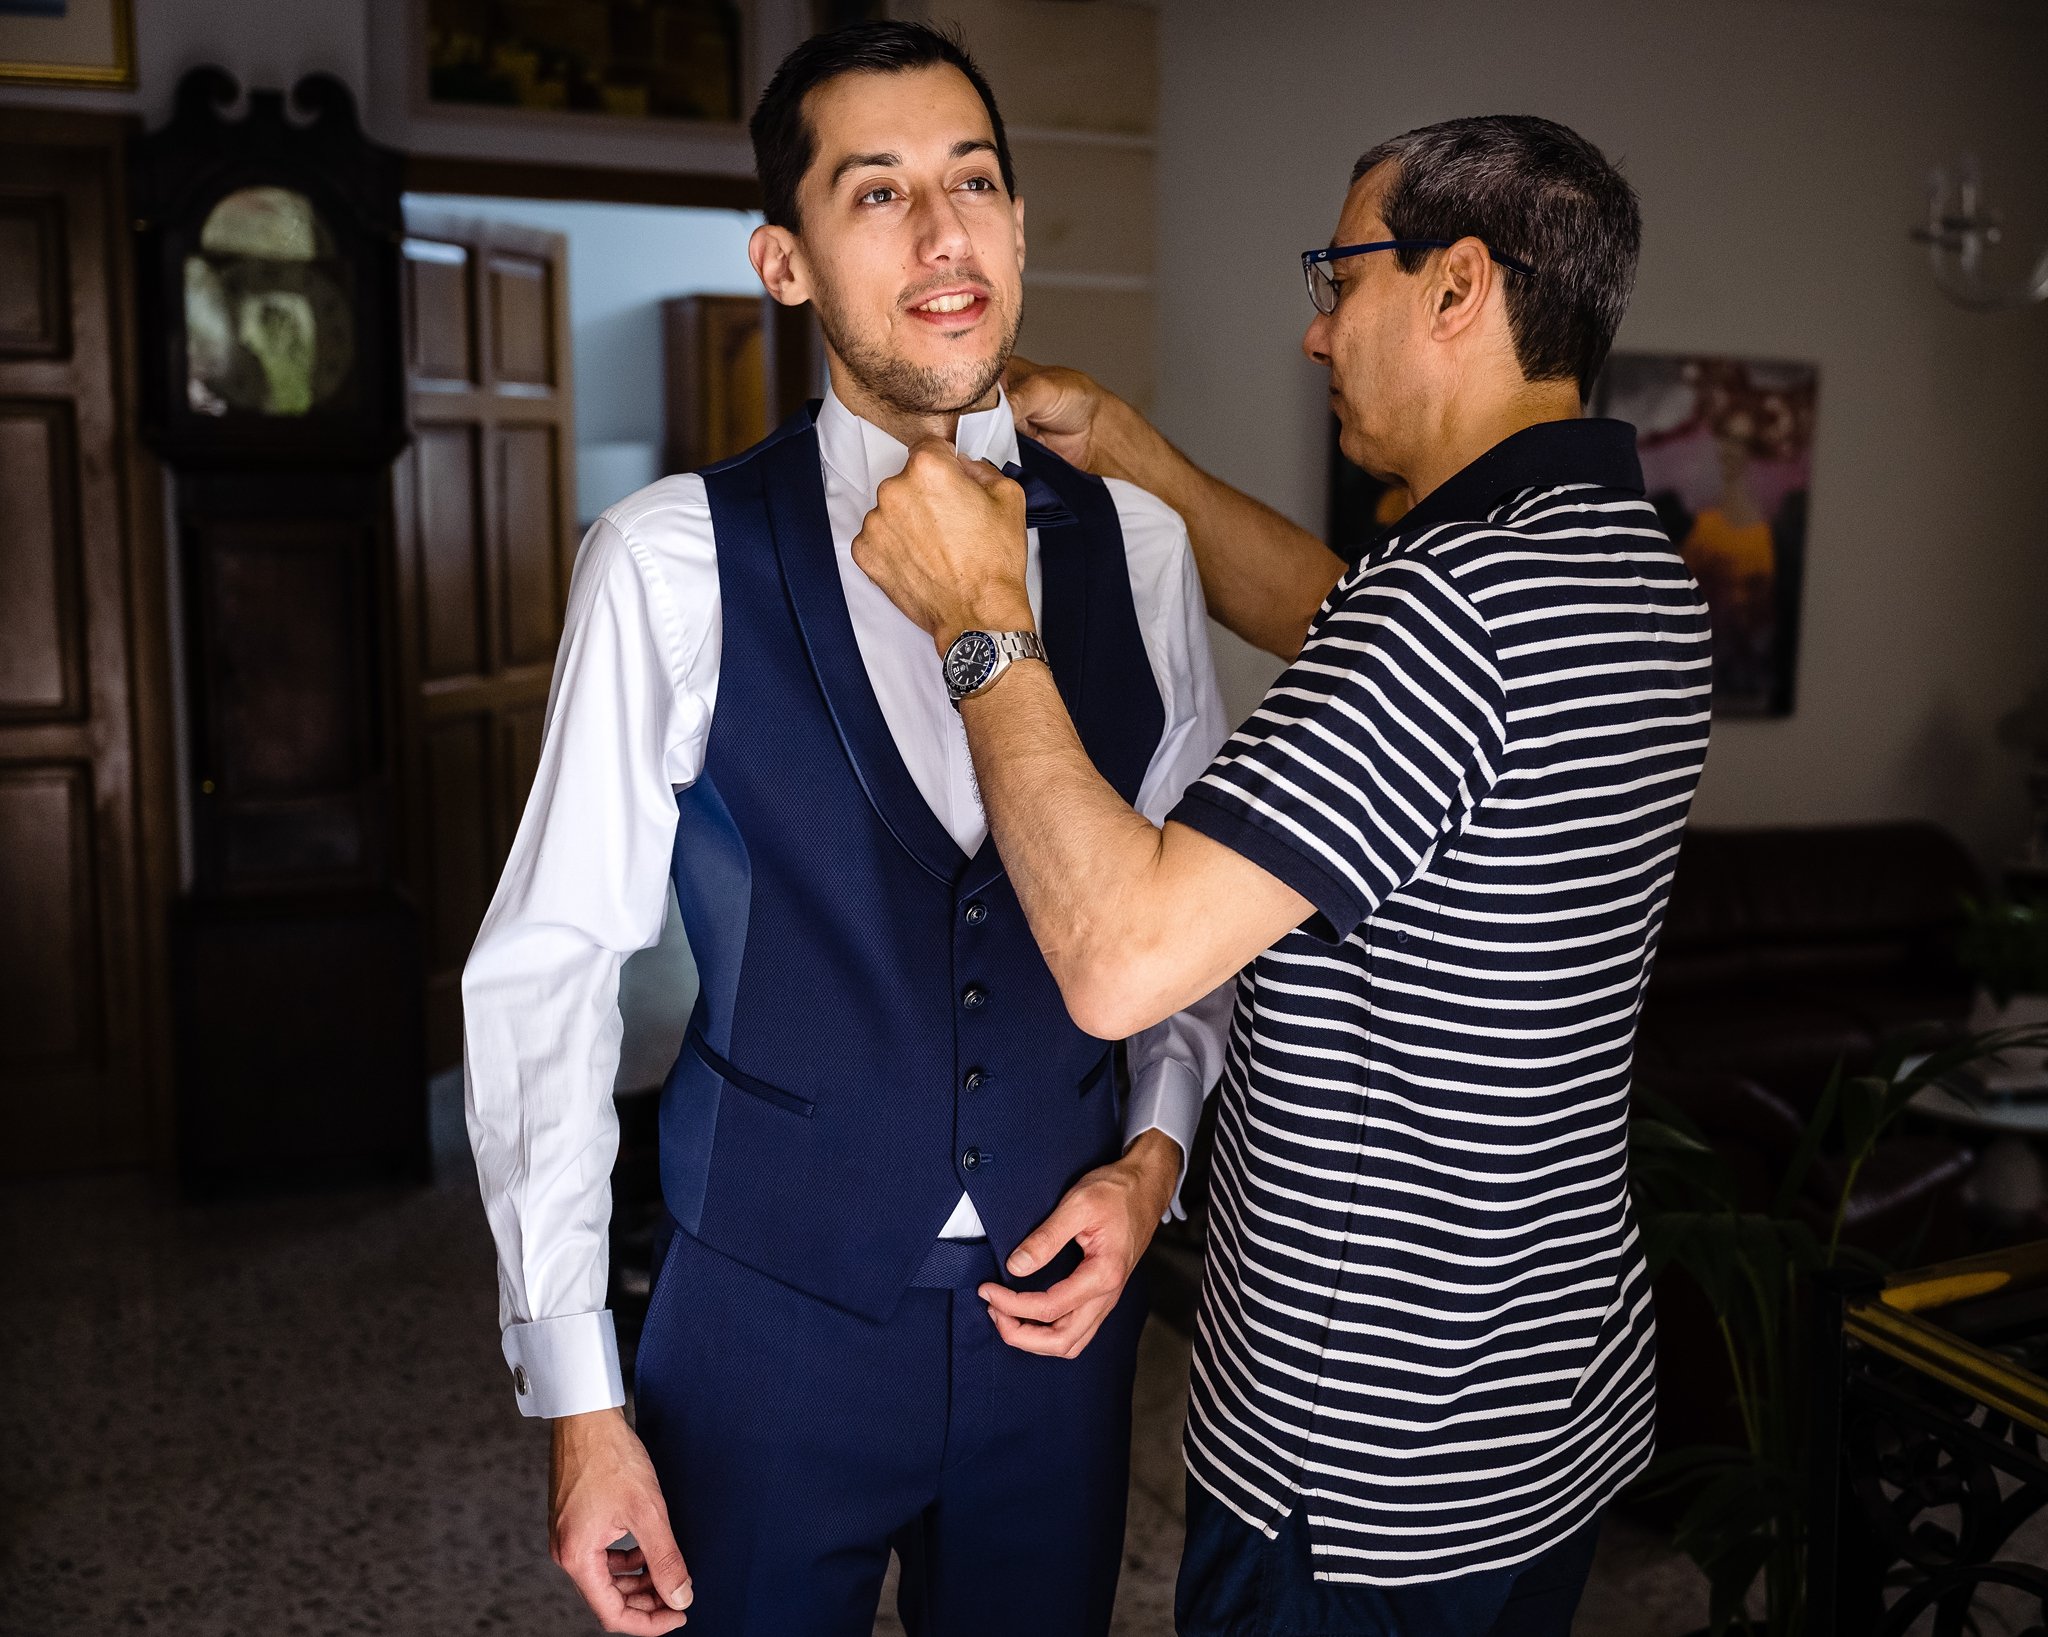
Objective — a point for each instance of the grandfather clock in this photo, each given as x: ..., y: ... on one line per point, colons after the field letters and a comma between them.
x: 269, y: 240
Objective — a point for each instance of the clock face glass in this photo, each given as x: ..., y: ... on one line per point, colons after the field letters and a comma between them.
x: 969, y: 661
x: 268, y: 309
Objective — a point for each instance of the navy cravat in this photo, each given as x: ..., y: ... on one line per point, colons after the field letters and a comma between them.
x: 1042, y: 507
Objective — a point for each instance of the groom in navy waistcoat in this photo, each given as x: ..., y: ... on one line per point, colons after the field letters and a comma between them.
x: 881, y: 1102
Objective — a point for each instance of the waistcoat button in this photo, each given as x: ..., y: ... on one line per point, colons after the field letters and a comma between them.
x: 972, y: 1159
x: 976, y: 1078
x: 973, y: 996
x: 976, y: 913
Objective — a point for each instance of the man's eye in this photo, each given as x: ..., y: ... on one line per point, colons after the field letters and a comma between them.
x: 979, y: 184
x: 876, y: 196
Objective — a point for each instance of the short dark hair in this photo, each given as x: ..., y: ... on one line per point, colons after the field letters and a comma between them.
x: 785, y: 144
x: 1538, y: 191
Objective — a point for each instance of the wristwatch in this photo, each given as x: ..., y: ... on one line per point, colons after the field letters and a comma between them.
x: 977, y: 658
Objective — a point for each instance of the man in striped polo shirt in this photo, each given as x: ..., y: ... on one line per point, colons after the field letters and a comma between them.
x: 1439, y: 851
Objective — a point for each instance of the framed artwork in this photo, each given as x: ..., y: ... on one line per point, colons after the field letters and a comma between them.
x: 68, y: 42
x: 1727, y: 451
x: 653, y: 60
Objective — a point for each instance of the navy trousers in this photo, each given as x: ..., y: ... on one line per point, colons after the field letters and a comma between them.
x: 798, y: 1444
x: 1234, y: 1582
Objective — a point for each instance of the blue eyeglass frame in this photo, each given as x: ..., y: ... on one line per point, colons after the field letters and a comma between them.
x: 1311, y: 260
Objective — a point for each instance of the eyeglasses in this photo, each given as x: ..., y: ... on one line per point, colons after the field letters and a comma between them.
x: 1322, y: 289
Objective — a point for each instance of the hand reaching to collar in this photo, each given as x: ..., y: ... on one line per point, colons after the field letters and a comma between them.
x: 946, y: 541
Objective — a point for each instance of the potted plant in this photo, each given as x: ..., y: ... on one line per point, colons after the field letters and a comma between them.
x: 2004, y: 945
x: 1741, y: 1512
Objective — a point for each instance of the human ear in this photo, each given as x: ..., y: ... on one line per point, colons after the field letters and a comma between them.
x: 778, y: 260
x: 1017, y: 220
x: 1465, y: 279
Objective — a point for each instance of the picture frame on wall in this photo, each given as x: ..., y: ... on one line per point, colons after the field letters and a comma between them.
x: 655, y: 63
x: 89, y: 43
x: 1727, y: 453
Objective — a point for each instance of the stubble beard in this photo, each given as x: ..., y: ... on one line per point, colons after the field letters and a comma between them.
x: 914, y: 389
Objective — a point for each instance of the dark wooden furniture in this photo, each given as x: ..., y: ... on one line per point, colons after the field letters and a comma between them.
x: 715, y: 397
x: 87, y: 816
x: 268, y: 257
x: 733, y: 368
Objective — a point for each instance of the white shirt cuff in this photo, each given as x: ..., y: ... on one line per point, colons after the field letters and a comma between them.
x: 1166, y: 1097
x: 565, y: 1366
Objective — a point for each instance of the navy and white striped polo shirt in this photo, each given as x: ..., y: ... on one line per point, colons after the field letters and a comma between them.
x: 1425, y: 1316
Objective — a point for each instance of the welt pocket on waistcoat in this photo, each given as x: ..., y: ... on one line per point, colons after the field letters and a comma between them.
x: 742, y: 1081
x: 1100, y: 1073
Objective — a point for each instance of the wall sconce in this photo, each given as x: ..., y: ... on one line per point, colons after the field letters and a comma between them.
x: 1958, y: 230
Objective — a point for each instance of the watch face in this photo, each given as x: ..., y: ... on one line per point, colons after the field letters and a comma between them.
x: 969, y: 661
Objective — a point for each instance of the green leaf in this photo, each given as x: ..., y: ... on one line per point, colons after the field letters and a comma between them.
x: 1808, y: 1148
x: 1690, y: 1465
x: 1729, y: 1581
x: 1738, y: 1504
x: 1670, y: 1162
x: 1864, y: 1099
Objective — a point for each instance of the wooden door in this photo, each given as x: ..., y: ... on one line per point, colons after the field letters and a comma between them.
x: 485, y: 514
x: 85, y: 795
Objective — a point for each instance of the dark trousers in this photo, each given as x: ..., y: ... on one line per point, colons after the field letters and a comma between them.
x: 798, y: 1444
x: 1234, y: 1582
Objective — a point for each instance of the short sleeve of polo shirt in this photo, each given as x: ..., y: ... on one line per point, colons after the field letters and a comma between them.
x: 1370, y: 749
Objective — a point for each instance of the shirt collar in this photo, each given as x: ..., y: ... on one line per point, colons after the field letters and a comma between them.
x: 864, y: 456
x: 1591, y: 450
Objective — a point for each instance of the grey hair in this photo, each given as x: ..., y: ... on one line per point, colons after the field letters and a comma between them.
x: 1535, y: 190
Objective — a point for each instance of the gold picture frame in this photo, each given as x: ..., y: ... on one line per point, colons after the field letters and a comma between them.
x: 89, y: 43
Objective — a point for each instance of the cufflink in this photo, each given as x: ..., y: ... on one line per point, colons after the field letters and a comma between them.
x: 519, y: 1383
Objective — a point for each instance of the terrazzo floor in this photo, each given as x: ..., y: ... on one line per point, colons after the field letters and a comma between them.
x: 288, y: 1419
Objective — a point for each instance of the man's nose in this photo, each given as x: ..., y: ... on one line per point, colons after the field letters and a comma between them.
x: 1315, y: 340
x: 941, y: 235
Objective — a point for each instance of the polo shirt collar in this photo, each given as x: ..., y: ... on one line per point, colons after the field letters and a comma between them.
x: 1589, y: 450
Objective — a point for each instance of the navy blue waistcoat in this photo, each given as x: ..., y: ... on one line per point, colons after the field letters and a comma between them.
x: 876, y: 1029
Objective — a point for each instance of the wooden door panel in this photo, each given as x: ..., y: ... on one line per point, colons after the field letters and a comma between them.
x: 450, y: 587
x: 51, y: 1016
x: 530, y: 516
x: 41, y: 660
x: 83, y: 783
x: 522, y: 311
x: 32, y: 277
x: 441, y: 336
x: 485, y: 538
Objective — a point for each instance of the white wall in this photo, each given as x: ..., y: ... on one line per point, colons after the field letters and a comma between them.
x: 1780, y: 149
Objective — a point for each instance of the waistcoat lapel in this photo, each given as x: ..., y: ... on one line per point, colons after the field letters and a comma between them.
x: 1091, y: 631
x: 794, y: 488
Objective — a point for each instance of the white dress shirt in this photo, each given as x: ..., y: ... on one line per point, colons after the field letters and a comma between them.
x: 586, y: 884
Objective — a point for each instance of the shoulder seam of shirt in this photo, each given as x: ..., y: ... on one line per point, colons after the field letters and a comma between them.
x: 1442, y: 580
x: 678, y: 492
x: 667, y: 621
